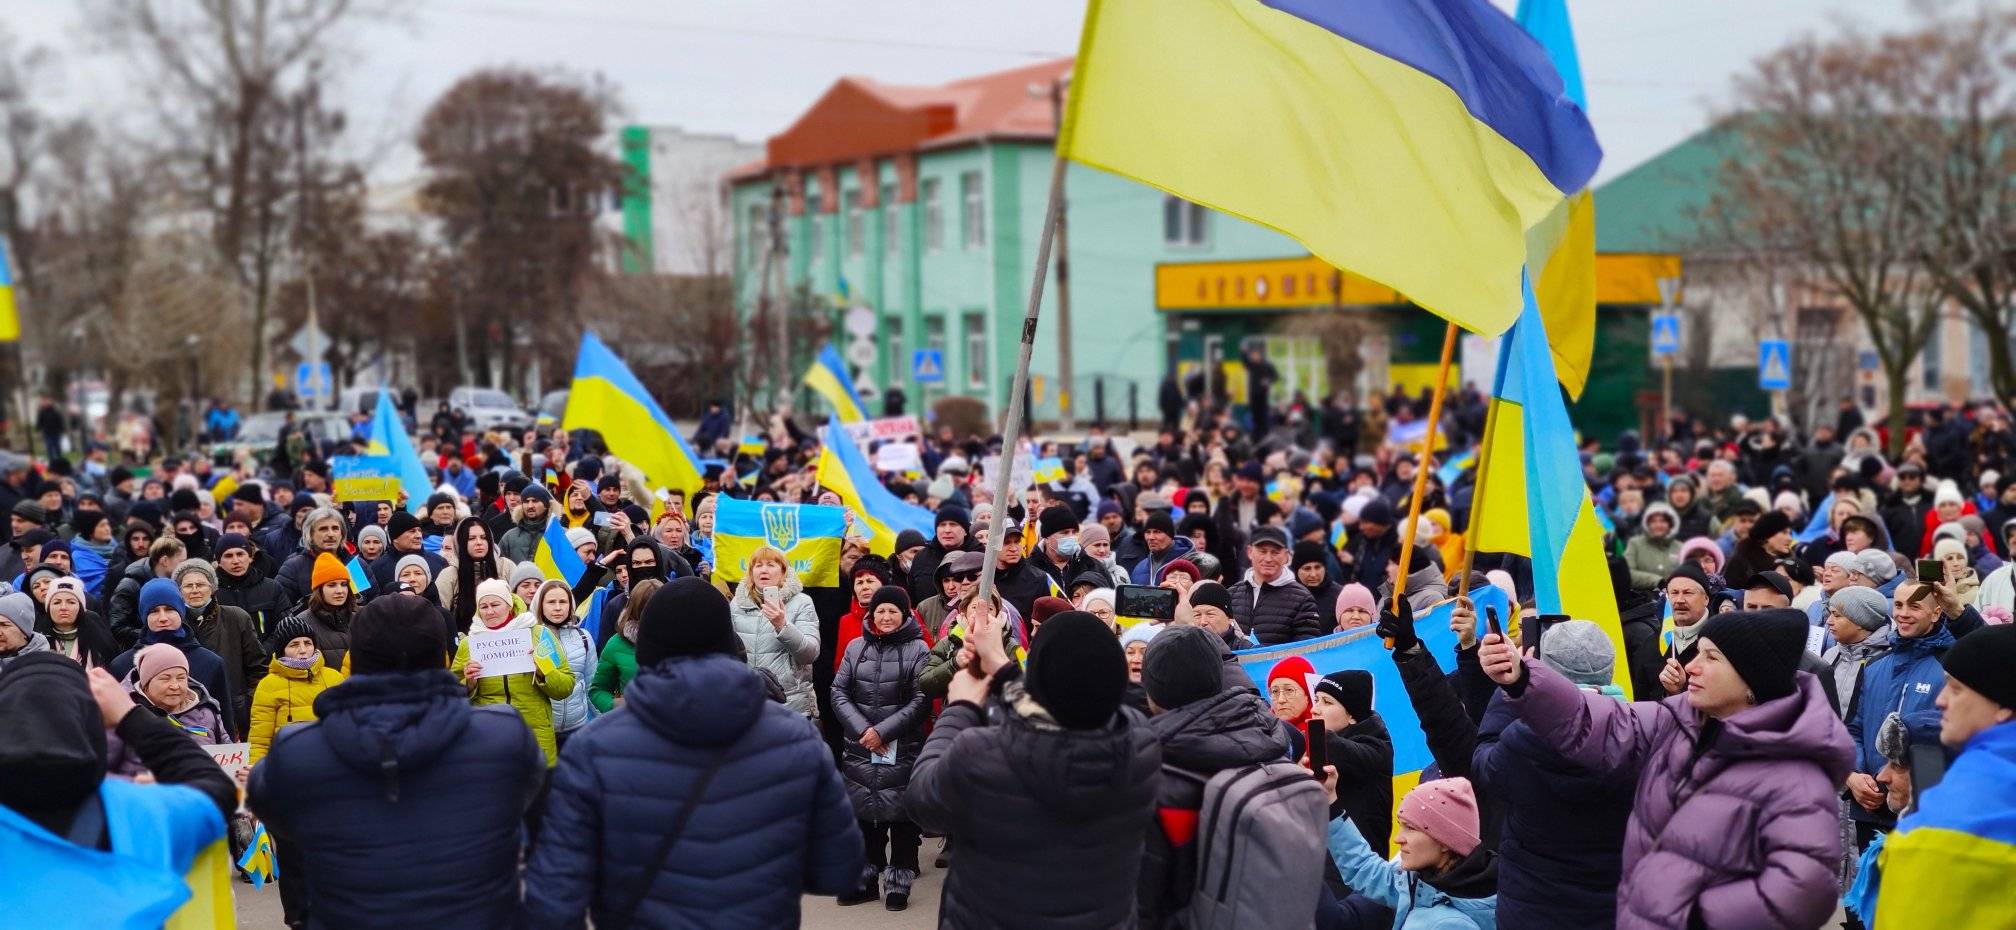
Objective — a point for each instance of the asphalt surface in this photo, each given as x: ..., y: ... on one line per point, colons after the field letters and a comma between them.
x: 259, y: 908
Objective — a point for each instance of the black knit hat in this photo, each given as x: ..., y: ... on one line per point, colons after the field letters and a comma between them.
x: 687, y: 617
x: 1054, y: 520
x: 1769, y: 524
x: 401, y: 524
x: 1159, y: 520
x: 871, y: 564
x: 1690, y: 570
x: 953, y: 513
x: 1306, y: 552
x: 1076, y: 670
x: 291, y: 629
x: 890, y: 594
x: 908, y: 539
x: 1985, y: 661
x: 1183, y: 664
x: 1352, y: 688
x: 1764, y: 646
x: 396, y: 634
x: 1211, y: 594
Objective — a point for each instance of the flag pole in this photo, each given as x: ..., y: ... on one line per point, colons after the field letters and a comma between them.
x: 1421, y: 473
x: 1470, y: 534
x: 1011, y: 431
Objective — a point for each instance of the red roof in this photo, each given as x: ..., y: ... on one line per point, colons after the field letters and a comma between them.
x: 861, y: 117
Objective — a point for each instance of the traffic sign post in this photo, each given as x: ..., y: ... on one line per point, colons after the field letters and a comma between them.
x: 1774, y: 365
x: 1665, y: 345
x: 927, y: 366
x: 312, y: 380
x: 1665, y: 334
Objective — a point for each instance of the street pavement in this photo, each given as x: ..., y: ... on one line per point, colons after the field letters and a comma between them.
x: 259, y: 908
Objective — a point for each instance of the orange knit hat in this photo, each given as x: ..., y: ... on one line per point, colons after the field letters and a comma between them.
x: 327, y: 569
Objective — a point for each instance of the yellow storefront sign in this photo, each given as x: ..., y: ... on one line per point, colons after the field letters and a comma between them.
x: 1306, y: 282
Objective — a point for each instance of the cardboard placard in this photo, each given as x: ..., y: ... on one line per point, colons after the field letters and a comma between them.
x: 502, y: 652
x: 364, y: 478
x: 899, y: 457
x: 868, y: 431
x: 231, y: 756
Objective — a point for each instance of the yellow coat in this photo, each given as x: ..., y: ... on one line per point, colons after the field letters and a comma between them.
x: 286, y: 695
x: 532, y: 693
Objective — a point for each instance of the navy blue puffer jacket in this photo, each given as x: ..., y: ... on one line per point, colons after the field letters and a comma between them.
x: 404, y: 803
x: 774, y: 824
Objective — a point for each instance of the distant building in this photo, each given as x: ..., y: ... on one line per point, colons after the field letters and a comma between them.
x: 674, y: 217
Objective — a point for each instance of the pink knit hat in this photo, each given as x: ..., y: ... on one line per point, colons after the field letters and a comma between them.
x: 158, y: 658
x: 1357, y: 595
x: 1446, y: 810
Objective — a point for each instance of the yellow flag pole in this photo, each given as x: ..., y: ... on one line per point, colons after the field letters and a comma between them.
x: 1421, y: 472
x: 1470, y: 533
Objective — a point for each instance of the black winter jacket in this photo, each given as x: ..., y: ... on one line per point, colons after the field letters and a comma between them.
x: 123, y: 609
x: 261, y: 598
x: 1049, y: 822
x: 1284, y: 613
x: 228, y: 632
x: 403, y: 803
x: 1234, y: 729
x: 876, y: 686
x: 924, y: 569
x: 772, y: 826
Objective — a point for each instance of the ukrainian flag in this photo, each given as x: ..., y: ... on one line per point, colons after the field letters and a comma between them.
x: 880, y: 514
x: 1535, y: 502
x: 607, y: 398
x: 10, y: 320
x: 1563, y: 246
x: 1948, y: 863
x: 387, y: 437
x: 360, y: 575
x: 260, y: 863
x: 1410, y: 141
x: 1048, y: 470
x: 828, y: 377
x: 555, y: 556
x: 169, y: 866
x: 1362, y: 649
x: 752, y: 445
x: 807, y: 534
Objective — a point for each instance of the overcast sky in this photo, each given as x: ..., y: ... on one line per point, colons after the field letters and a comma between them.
x: 1654, y: 68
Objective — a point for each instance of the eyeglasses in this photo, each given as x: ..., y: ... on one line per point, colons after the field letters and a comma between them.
x: 966, y: 577
x: 1284, y: 689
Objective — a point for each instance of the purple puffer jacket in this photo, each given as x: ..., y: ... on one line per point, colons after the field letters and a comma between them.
x: 1747, y: 837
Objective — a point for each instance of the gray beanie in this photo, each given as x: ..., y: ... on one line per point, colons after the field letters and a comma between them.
x: 1581, y: 651
x: 374, y: 530
x: 1845, y: 561
x: 19, y: 609
x: 1183, y: 664
x: 525, y: 571
x: 406, y: 560
x: 1865, y: 607
x: 1877, y: 564
x: 196, y: 565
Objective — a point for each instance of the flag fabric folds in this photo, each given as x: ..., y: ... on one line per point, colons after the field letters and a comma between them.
x: 169, y: 866
x: 1563, y: 247
x: 878, y: 514
x: 260, y: 863
x: 1438, y: 127
x: 807, y: 534
x: 10, y: 318
x: 556, y: 557
x: 1535, y: 502
x: 607, y: 398
x: 360, y: 574
x: 828, y: 377
x: 388, y: 437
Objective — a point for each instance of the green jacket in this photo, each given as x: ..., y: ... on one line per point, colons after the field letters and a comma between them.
x: 531, y: 693
x: 612, y: 673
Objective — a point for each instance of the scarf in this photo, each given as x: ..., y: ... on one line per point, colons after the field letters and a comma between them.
x: 299, y: 665
x: 1684, y: 637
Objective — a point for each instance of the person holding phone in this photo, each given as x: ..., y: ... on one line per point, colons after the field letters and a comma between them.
x: 1904, y: 680
x: 779, y: 626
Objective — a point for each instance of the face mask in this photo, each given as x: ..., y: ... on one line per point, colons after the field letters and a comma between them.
x: 1068, y: 547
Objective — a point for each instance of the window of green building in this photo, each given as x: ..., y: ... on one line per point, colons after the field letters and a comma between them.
x: 972, y: 210
x: 854, y: 223
x: 1184, y: 223
x: 934, y: 215
x: 976, y: 349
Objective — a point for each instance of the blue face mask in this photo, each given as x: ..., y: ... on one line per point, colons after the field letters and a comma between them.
x: 1068, y: 547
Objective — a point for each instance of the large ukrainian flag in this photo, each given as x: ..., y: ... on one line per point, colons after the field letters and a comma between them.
x: 882, y: 515
x: 1411, y: 141
x: 556, y: 557
x: 1948, y: 863
x: 1535, y: 502
x: 828, y: 377
x: 387, y: 437
x: 10, y: 318
x: 1563, y: 246
x: 807, y: 534
x: 607, y: 398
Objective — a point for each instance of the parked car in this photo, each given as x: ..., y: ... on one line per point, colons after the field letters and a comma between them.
x: 552, y: 408
x: 489, y: 408
x: 329, y: 433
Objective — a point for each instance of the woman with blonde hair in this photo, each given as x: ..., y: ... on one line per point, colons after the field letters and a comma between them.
x: 779, y: 626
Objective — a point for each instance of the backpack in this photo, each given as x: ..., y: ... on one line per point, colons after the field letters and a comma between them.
x: 1261, y: 838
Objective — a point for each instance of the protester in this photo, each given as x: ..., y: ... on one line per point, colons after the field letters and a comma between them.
x: 328, y: 610
x: 1269, y: 603
x: 881, y: 713
x: 616, y: 664
x: 160, y: 684
x: 166, y: 618
x: 227, y: 631
x: 531, y: 693
x: 695, y: 723
x: 1444, y: 876
x: 73, y: 631
x: 553, y: 605
x: 241, y: 585
x: 778, y: 626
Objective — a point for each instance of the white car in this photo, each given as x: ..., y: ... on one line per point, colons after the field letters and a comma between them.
x: 489, y: 408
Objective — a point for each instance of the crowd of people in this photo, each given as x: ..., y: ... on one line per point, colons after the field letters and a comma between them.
x: 1814, y: 703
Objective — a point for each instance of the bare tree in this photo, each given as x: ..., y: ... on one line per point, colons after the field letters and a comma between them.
x: 1827, y: 176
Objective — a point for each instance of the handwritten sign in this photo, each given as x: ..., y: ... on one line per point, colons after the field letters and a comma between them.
x: 364, y: 478
x: 501, y: 652
x: 231, y: 756
x: 868, y: 431
x: 899, y: 457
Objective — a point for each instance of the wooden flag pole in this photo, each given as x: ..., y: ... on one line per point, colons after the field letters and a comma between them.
x: 1421, y: 472
x: 1470, y: 534
x: 1011, y: 431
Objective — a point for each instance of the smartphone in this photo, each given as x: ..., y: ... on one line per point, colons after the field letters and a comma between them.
x: 1491, y: 623
x: 1144, y: 602
x: 1318, y: 752
x: 1931, y: 571
x: 600, y: 518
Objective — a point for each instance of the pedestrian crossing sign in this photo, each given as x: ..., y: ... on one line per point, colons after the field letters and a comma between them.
x: 1666, y: 334
x: 927, y: 366
x: 1774, y: 365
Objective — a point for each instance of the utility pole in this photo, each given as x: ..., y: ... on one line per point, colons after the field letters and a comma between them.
x: 1065, y: 420
x: 773, y: 264
x: 303, y: 255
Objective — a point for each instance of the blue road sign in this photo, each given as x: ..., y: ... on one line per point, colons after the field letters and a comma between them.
x: 927, y: 366
x: 312, y: 379
x: 1774, y: 365
x: 1866, y: 360
x: 1665, y: 334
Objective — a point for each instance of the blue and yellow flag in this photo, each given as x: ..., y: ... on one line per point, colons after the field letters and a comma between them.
x: 387, y: 437
x: 1535, y: 502
x: 1948, y: 863
x: 1048, y: 470
x: 360, y: 574
x: 1440, y: 127
x: 556, y: 557
x: 881, y: 515
x: 10, y: 319
x: 169, y: 866
x: 259, y: 862
x: 807, y: 534
x: 607, y: 398
x: 829, y: 379
x: 752, y: 445
x: 1362, y: 649
x: 1563, y: 246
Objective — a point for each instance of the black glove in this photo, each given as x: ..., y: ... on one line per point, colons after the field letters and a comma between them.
x: 1398, y: 629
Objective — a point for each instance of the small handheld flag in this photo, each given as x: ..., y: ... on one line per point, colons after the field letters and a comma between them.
x: 556, y: 557
x: 259, y: 862
x: 360, y: 577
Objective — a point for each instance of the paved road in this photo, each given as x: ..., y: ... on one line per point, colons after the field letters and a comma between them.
x: 259, y: 909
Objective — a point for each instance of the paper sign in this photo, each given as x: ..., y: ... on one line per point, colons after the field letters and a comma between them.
x: 502, y: 652
x: 364, y: 478
x: 1816, y: 639
x: 886, y: 757
x: 1023, y: 471
x: 231, y: 756
x: 899, y: 457
x: 868, y: 431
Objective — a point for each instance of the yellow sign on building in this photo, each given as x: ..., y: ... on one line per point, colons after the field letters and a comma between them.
x: 1308, y: 282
